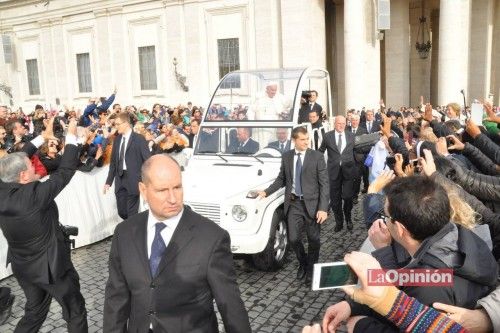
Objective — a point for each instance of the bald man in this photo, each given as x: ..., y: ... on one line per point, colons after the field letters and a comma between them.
x: 341, y: 166
x: 168, y: 264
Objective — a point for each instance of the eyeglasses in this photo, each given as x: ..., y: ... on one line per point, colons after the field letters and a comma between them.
x: 386, y: 218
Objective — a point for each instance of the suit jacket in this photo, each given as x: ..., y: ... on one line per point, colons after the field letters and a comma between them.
x: 29, y: 220
x: 339, y: 163
x: 276, y: 145
x: 251, y: 147
x: 197, y: 268
x: 136, y: 152
x: 375, y: 126
x: 314, y: 180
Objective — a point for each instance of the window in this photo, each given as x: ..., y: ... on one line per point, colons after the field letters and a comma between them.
x: 32, y: 70
x: 84, y: 76
x: 147, y: 67
x: 229, y: 60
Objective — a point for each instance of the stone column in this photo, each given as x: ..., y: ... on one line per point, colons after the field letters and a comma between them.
x: 361, y: 55
x: 495, y: 77
x: 397, y: 53
x: 303, y: 33
x: 482, y: 13
x: 454, y: 19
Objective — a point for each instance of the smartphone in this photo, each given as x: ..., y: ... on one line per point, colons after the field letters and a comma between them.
x: 476, y: 113
x: 414, y: 162
x: 390, y: 161
x: 333, y: 275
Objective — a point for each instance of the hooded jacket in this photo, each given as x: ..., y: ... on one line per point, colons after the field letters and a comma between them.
x: 475, y: 271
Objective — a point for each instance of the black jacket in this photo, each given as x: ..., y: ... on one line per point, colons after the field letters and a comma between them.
x: 29, y: 220
x: 485, y: 215
x: 480, y: 160
x: 488, y: 147
x: 475, y: 271
x: 484, y: 187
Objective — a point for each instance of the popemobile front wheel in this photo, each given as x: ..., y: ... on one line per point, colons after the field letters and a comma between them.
x: 274, y: 255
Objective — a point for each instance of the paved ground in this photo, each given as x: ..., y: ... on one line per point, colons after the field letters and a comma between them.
x: 276, y: 301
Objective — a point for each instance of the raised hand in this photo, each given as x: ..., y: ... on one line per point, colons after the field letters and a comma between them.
x: 381, y: 181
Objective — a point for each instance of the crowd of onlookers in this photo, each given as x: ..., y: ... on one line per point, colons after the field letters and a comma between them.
x: 167, y: 130
x: 433, y: 201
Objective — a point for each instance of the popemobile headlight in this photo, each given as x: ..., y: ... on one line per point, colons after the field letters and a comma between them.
x: 239, y: 213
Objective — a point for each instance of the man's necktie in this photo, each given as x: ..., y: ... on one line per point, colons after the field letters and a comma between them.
x: 240, y: 146
x: 369, y: 126
x: 121, y: 157
x: 282, y: 147
x: 298, y: 172
x: 157, y: 249
x: 354, y: 131
x: 339, y: 143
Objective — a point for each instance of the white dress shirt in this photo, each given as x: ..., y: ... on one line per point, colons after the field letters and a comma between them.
x: 302, y: 157
x: 166, y: 233
x: 126, y: 137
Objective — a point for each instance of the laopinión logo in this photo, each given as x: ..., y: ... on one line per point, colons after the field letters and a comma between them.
x: 411, y: 277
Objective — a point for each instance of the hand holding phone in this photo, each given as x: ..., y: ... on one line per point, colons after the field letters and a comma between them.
x: 333, y: 275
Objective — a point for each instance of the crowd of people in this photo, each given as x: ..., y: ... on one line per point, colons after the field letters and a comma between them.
x: 432, y: 182
x: 431, y: 178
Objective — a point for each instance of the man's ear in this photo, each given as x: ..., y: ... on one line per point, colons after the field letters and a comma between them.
x: 142, y: 189
x: 401, y: 230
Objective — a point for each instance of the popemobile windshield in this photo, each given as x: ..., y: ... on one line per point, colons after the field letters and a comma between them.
x: 238, y: 149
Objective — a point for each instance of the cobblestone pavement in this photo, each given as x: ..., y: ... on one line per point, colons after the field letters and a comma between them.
x: 276, y: 301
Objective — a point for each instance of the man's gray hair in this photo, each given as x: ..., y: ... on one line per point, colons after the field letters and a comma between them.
x: 11, y: 165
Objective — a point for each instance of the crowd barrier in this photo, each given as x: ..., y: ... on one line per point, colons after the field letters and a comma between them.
x: 84, y: 205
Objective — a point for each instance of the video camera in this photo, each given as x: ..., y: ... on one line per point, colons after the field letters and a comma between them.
x: 68, y: 231
x: 306, y: 94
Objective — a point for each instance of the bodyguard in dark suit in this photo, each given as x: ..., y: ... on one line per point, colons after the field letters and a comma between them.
x: 244, y: 143
x: 359, y: 157
x: 371, y: 125
x: 168, y: 264
x: 341, y: 171
x: 303, y: 174
x: 129, y: 151
x: 283, y: 143
x: 39, y: 252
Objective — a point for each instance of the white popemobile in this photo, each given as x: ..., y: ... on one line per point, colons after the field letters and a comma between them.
x: 238, y: 151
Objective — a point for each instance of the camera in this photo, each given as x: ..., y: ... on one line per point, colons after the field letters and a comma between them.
x: 68, y: 231
x: 306, y: 94
x: 449, y: 142
x: 390, y: 161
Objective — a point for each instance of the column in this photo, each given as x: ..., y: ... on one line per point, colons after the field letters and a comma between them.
x: 303, y: 33
x: 454, y: 19
x: 495, y: 78
x: 397, y: 53
x: 101, y: 73
x: 361, y: 55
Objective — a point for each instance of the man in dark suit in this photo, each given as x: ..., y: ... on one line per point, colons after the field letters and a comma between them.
x: 309, y: 106
x: 129, y: 151
x: 168, y: 264
x: 370, y: 124
x: 283, y: 143
x: 39, y: 251
x: 359, y: 157
x: 303, y: 174
x: 244, y: 143
x: 341, y: 171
